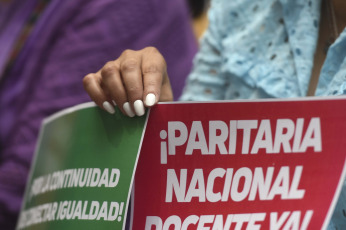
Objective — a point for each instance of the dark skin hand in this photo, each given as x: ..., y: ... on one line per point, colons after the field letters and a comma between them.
x: 135, y: 80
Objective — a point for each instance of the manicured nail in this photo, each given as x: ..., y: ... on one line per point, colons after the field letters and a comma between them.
x: 150, y: 99
x: 139, y: 108
x: 114, y: 103
x: 128, y: 109
x: 108, y: 107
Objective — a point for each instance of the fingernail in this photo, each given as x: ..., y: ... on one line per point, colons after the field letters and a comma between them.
x: 114, y: 103
x: 150, y: 99
x: 128, y: 109
x: 108, y: 107
x: 139, y: 108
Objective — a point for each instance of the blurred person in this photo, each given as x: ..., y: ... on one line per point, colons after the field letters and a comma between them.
x: 251, y: 49
x: 197, y: 7
x: 46, y: 47
x: 198, y: 12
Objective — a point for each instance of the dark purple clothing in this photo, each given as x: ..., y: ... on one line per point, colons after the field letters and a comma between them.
x: 71, y: 39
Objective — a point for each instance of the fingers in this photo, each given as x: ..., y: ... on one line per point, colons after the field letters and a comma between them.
x: 113, y: 85
x: 137, y: 79
x: 91, y: 83
x: 154, y: 71
x: 131, y: 75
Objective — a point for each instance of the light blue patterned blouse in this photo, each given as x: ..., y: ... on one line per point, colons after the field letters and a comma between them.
x: 265, y: 49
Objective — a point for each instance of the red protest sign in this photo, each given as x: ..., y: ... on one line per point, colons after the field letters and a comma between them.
x: 241, y: 165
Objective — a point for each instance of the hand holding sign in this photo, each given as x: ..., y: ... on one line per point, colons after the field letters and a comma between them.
x: 135, y: 77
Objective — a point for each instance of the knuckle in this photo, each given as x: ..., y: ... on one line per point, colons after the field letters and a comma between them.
x: 127, y: 53
x: 108, y: 69
x: 133, y: 90
x: 151, y: 69
x: 129, y: 65
x: 151, y: 49
x: 88, y: 79
x: 151, y: 83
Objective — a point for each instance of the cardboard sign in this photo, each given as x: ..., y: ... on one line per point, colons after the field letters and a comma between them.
x: 83, y: 170
x: 241, y: 165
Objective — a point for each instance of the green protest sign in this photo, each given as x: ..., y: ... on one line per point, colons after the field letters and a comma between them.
x: 82, y: 170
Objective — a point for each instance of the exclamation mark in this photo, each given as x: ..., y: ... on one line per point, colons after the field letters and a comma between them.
x: 120, y: 211
x: 163, y: 136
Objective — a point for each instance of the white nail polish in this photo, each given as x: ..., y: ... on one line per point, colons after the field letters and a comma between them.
x: 108, y: 107
x: 150, y: 99
x: 139, y: 108
x: 128, y: 109
x: 115, y: 104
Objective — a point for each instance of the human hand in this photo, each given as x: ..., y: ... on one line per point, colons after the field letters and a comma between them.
x: 137, y: 79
